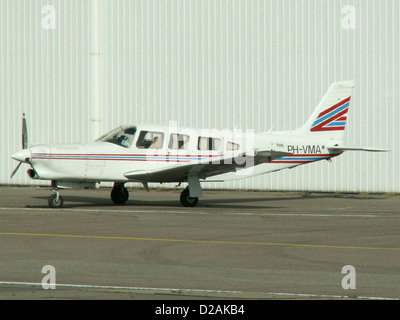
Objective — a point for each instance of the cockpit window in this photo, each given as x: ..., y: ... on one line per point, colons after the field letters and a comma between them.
x: 122, y: 136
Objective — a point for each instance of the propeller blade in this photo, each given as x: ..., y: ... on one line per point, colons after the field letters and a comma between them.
x: 24, y: 133
x: 15, y: 170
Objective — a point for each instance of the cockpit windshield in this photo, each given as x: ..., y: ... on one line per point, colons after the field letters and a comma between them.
x: 121, y: 136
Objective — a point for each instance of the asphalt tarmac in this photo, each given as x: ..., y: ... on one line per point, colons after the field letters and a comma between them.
x: 233, y: 245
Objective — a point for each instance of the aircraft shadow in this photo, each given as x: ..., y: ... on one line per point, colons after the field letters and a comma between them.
x: 220, y: 203
x: 87, y: 202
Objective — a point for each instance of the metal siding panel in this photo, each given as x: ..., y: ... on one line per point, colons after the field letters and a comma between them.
x: 44, y: 75
x: 253, y: 64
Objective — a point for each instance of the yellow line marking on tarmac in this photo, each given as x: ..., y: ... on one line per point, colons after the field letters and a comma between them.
x: 196, y: 241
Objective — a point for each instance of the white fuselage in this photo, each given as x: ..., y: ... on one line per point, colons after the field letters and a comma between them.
x: 107, y: 161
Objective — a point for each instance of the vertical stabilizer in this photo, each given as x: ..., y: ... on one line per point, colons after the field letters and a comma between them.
x: 330, y: 117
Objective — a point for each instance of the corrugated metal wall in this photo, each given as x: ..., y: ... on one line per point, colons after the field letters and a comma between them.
x: 207, y: 63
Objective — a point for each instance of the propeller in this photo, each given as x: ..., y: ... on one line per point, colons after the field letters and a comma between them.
x: 24, y: 142
x: 24, y: 133
x: 15, y: 170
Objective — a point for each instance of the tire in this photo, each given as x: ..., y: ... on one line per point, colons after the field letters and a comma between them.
x: 188, y: 201
x: 119, y: 195
x: 54, y: 203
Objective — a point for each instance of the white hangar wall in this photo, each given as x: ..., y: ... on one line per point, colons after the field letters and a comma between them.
x: 79, y: 68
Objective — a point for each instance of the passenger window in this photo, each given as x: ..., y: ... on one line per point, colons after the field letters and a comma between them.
x: 232, y: 146
x: 150, y: 140
x: 178, y: 141
x: 208, y: 143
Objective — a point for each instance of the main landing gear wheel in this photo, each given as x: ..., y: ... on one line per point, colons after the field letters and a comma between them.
x: 119, y: 194
x: 56, y: 201
x: 188, y: 201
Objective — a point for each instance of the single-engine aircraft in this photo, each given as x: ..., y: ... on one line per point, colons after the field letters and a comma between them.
x: 148, y: 154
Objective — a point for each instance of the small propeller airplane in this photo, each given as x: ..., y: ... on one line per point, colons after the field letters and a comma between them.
x: 161, y: 154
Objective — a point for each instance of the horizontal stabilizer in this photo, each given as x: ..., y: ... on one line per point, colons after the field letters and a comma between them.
x: 356, y: 149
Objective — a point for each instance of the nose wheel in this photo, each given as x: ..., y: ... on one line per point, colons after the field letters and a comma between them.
x: 56, y: 200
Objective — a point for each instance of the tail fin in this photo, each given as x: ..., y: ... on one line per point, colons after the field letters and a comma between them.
x: 330, y: 117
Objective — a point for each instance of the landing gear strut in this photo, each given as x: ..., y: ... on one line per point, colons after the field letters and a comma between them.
x: 119, y: 194
x: 187, y: 200
x: 55, y: 200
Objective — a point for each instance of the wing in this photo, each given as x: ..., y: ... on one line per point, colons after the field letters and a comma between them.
x: 204, y: 168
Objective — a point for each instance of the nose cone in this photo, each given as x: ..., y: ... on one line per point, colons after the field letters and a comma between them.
x: 22, y: 155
